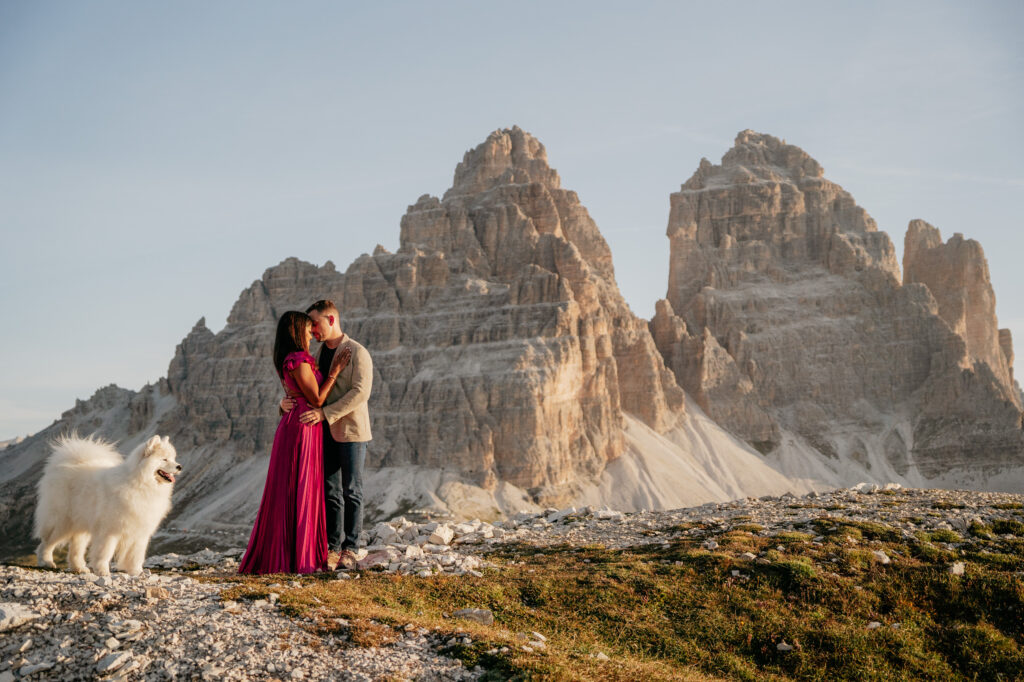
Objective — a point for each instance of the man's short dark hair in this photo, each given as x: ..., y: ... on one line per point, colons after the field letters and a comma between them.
x: 324, y: 306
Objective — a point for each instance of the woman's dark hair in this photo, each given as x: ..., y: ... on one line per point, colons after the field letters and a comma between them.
x: 291, y: 329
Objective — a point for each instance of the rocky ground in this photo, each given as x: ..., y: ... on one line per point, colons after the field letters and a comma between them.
x: 173, y: 623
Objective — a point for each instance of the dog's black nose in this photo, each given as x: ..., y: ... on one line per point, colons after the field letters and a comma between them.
x: 179, y: 468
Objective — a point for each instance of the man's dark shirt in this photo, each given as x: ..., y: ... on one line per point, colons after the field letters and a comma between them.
x: 326, y: 356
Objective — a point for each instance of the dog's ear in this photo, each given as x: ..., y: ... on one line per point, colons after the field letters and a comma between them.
x: 152, y: 445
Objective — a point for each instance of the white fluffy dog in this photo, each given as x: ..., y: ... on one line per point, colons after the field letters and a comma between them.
x: 91, y: 496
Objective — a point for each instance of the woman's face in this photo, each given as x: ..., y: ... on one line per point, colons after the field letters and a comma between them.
x: 307, y: 334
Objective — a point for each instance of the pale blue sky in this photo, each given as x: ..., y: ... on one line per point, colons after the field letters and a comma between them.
x: 155, y: 158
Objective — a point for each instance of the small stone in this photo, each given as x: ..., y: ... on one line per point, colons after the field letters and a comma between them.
x: 103, y: 581
x: 957, y: 568
x: 112, y: 643
x: 709, y: 544
x: 539, y: 637
x: 157, y: 592
x: 297, y: 674
x: 25, y: 646
x: 602, y: 656
x: 874, y: 625
x: 113, y: 661
x: 13, y: 614
x: 28, y: 670
x: 880, y: 556
x: 782, y: 646
x: 442, y: 535
x: 483, y: 616
x: 6, y: 676
x: 749, y: 556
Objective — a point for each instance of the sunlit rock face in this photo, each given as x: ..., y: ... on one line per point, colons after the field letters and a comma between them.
x: 785, y: 314
x: 956, y: 274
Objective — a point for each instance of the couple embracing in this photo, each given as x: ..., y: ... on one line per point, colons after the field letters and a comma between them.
x: 311, y: 512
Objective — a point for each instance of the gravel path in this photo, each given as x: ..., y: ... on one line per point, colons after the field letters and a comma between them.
x: 56, y: 625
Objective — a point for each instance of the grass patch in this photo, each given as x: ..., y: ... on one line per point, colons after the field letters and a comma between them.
x: 836, y: 529
x: 946, y: 504
x: 940, y: 535
x: 1007, y: 527
x: 1008, y: 505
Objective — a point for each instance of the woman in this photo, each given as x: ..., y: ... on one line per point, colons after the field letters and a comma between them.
x: 290, y: 535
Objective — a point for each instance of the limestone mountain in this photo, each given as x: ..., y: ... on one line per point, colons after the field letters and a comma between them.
x: 787, y: 320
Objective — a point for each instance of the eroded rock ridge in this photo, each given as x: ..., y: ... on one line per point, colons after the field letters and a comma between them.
x: 787, y: 320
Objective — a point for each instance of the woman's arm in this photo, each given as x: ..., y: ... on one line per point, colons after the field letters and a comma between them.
x: 304, y: 377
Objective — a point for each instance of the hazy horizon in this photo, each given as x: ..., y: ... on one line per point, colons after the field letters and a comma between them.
x: 158, y: 159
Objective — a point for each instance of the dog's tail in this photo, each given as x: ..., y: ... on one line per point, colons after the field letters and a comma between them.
x: 72, y: 450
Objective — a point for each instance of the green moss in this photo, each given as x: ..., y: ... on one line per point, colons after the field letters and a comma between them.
x: 940, y: 535
x: 1007, y: 527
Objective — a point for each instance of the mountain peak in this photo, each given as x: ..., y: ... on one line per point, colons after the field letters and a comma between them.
x: 753, y: 150
x: 508, y: 156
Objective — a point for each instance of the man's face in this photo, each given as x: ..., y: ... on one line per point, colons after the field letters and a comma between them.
x: 321, y: 324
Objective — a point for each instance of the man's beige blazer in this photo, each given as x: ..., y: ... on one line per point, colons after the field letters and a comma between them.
x: 345, y: 407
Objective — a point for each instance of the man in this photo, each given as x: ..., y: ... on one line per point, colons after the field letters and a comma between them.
x: 346, y: 421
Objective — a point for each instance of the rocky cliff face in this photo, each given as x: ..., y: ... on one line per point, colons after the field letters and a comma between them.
x: 786, y: 318
x: 956, y: 274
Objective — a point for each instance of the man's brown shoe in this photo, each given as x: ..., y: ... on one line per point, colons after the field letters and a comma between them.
x: 347, y: 561
x: 332, y: 560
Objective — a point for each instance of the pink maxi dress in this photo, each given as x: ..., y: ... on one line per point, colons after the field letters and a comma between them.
x: 290, y: 533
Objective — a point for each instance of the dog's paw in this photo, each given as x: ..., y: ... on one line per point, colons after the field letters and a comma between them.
x: 102, y: 571
x: 79, y: 568
x: 46, y: 564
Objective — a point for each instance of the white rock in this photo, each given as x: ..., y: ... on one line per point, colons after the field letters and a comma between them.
x: 29, y: 670
x: 483, y: 616
x: 113, y: 661
x: 13, y: 614
x: 957, y: 568
x: 880, y: 556
x: 602, y: 656
x: 782, y: 646
x: 709, y: 544
x: 874, y: 625
x: 442, y: 535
